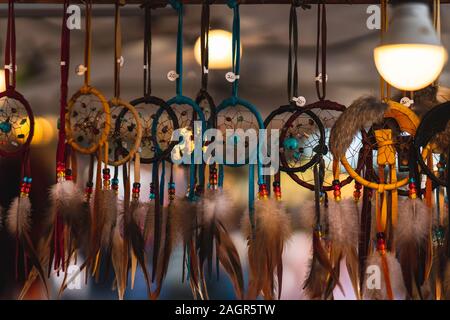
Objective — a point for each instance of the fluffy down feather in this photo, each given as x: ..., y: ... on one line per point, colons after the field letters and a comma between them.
x: 362, y: 113
x: 414, y: 219
x: 307, y: 215
x: 67, y: 199
x: 265, y: 247
x: 343, y: 225
x: 395, y: 274
x: 216, y: 204
x: 18, y: 220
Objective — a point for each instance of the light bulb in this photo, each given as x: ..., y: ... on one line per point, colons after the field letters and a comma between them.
x: 410, y: 66
x: 411, y: 56
x: 220, y: 49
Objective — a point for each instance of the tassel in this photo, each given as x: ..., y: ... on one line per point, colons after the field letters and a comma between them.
x: 265, y: 248
x: 215, y: 206
x: 394, y: 274
x: 18, y: 220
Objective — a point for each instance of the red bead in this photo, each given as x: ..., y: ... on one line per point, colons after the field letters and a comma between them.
x: 336, y: 193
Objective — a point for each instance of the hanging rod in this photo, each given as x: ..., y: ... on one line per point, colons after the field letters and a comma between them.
x: 163, y: 3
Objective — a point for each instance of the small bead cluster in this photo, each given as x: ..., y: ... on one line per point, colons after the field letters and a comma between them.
x: 25, y: 187
x: 381, y: 243
x: 277, y: 190
x: 106, y: 178
x: 263, y: 193
x: 412, y: 193
x: 212, y: 178
x: 171, y: 191
x: 136, y: 190
x: 88, y: 190
x: 152, y: 195
x: 60, y: 171
x: 337, y: 190
x: 68, y: 174
x: 357, y: 192
x: 115, y: 185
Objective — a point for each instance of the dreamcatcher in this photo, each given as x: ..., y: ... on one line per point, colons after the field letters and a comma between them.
x: 69, y: 213
x: 16, y: 133
x: 267, y: 225
x: 181, y: 214
x: 433, y: 135
x: 158, y: 122
x: 327, y: 111
x: 210, y: 236
x: 118, y: 235
x: 87, y: 126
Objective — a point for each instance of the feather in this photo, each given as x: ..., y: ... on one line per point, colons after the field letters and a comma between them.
x: 375, y: 292
x: 169, y: 241
x: 133, y: 232
x: 107, y: 215
x: 307, y: 215
x: 117, y: 255
x: 18, y: 220
x: 414, y: 222
x: 67, y: 199
x: 446, y: 282
x: 265, y: 247
x: 443, y: 94
x: 343, y: 226
x: 215, y: 206
x: 362, y: 113
x: 343, y: 230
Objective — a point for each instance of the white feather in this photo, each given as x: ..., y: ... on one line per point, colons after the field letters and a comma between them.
x: 67, y: 199
x: 18, y: 220
x: 374, y: 270
x: 216, y: 204
x: 414, y: 221
x: 343, y: 224
x: 144, y: 213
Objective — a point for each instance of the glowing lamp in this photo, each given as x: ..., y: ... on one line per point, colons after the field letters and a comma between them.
x: 411, y: 56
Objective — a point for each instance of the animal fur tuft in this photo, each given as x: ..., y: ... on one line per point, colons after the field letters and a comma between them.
x: 362, y: 113
x: 18, y: 220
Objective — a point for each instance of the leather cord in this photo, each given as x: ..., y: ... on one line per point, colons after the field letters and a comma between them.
x: 321, y: 51
x: 292, y: 78
x: 87, y: 43
x: 147, y: 50
x: 10, y: 48
x: 204, y: 43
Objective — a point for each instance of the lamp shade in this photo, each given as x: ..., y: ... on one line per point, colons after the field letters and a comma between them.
x: 411, y: 56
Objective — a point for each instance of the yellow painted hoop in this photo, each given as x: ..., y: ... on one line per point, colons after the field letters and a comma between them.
x: 85, y: 90
x: 408, y: 122
x: 134, y: 149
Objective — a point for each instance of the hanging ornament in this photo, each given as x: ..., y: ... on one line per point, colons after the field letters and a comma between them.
x: 16, y: 133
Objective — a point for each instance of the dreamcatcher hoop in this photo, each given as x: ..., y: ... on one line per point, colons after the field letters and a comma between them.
x: 88, y: 90
x: 10, y: 92
x: 408, y: 122
x: 433, y: 122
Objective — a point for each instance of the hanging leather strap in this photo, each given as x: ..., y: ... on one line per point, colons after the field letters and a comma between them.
x: 64, y: 67
x: 204, y: 43
x: 117, y: 49
x: 321, y: 51
x: 10, y: 48
x: 147, y: 49
x: 236, y: 45
x: 292, y: 79
x: 385, y: 89
x: 178, y: 6
x: 87, y: 44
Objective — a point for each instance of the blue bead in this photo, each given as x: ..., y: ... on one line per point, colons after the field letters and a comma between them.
x: 291, y: 143
x: 29, y: 180
x: 152, y: 196
x: 297, y: 155
x: 5, y: 127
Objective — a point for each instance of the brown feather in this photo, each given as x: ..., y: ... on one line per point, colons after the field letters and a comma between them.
x: 265, y: 247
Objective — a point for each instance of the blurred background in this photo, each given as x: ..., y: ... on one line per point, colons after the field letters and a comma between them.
x: 264, y: 36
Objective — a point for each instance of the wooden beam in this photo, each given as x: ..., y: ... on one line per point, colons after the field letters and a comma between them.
x: 163, y: 3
